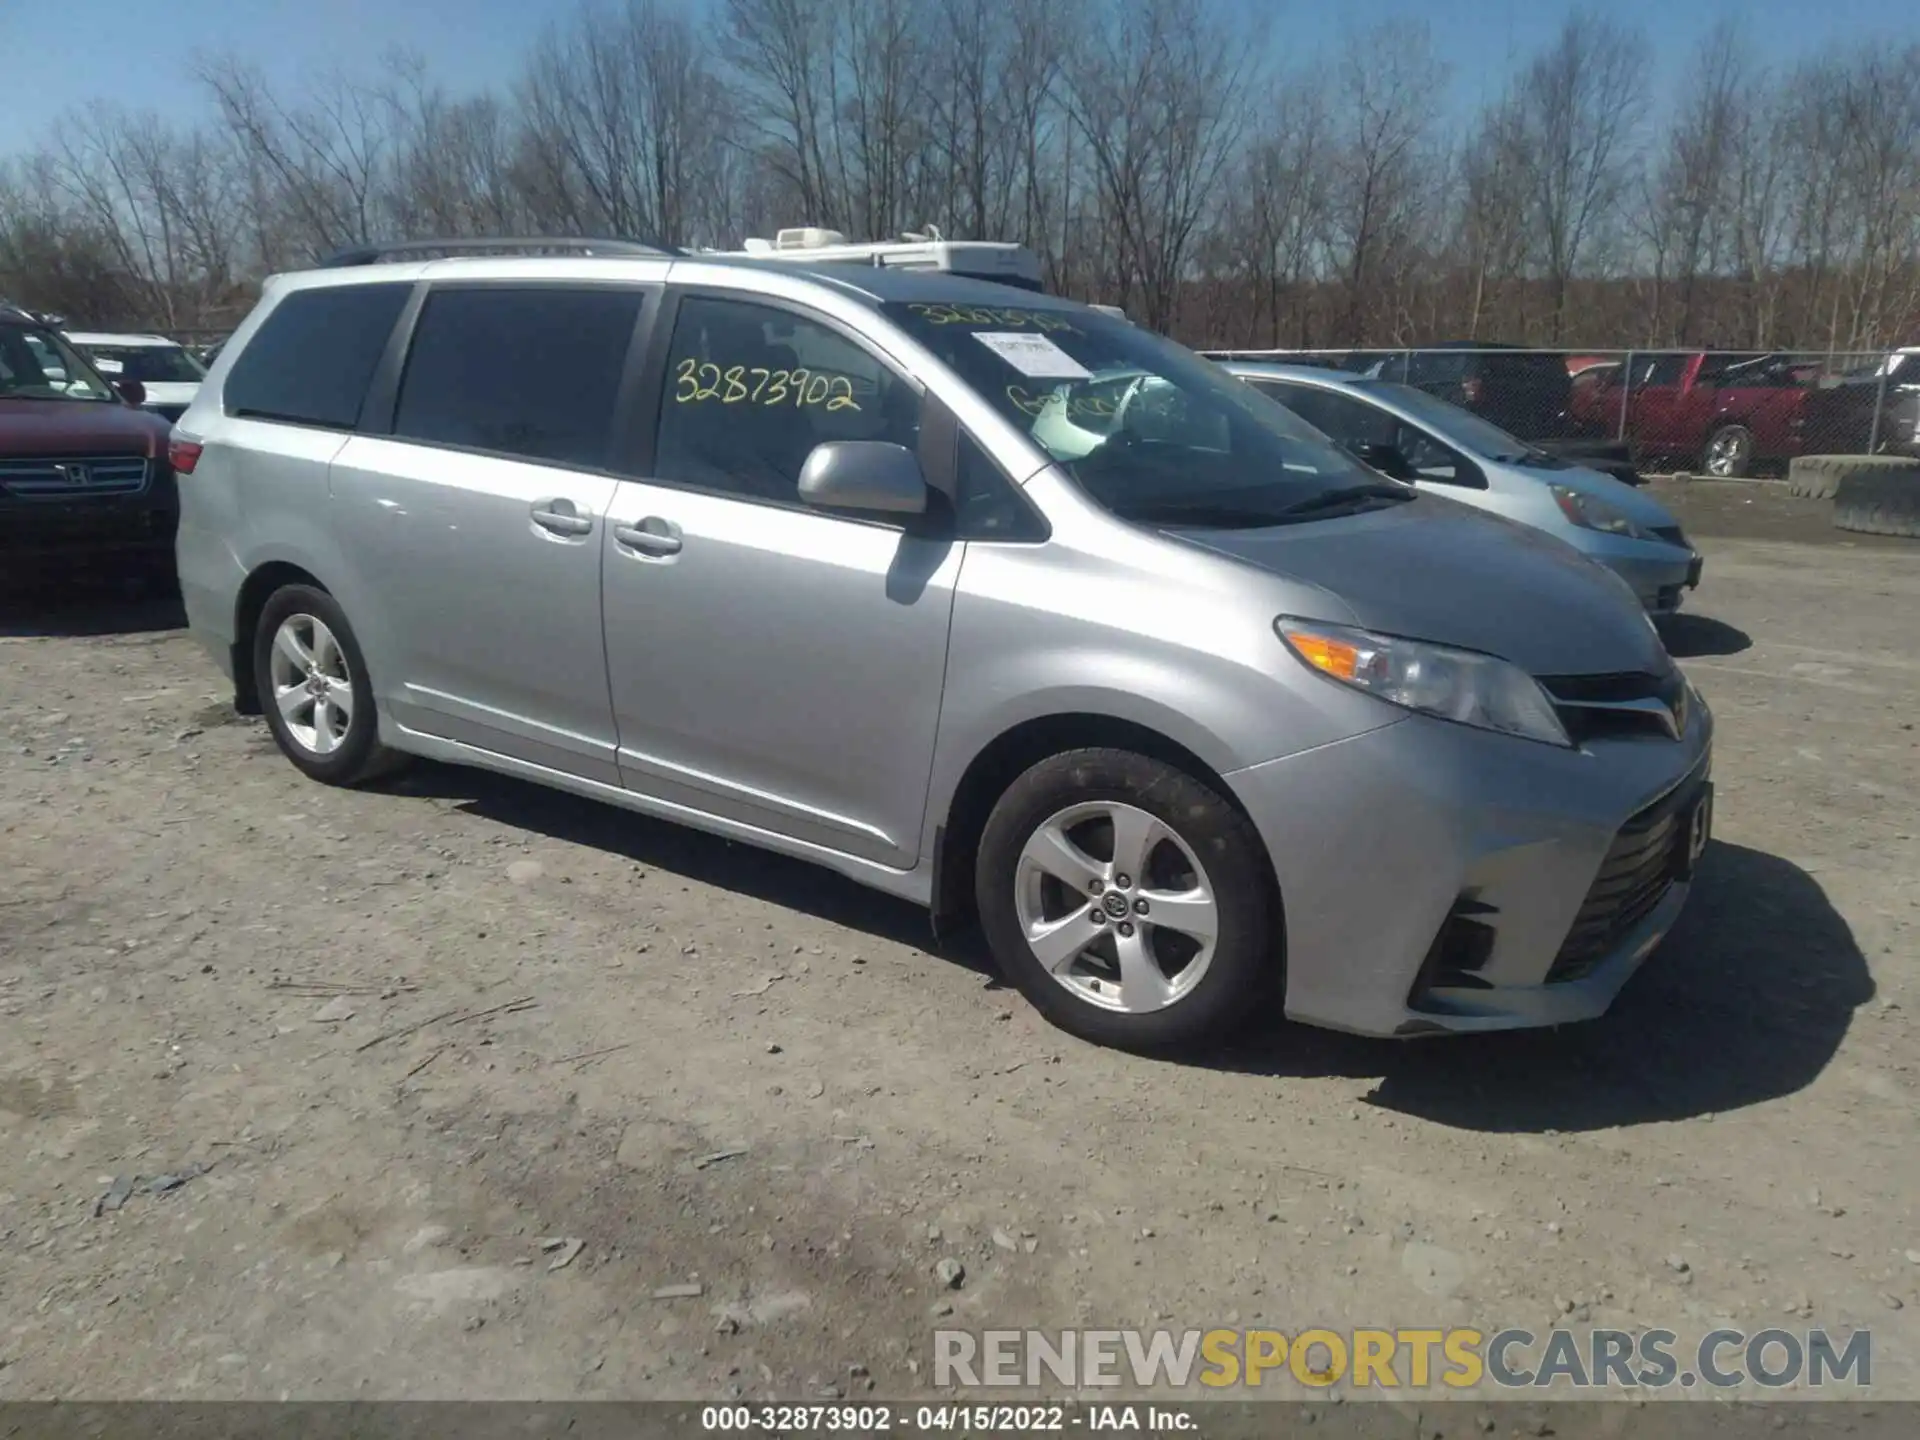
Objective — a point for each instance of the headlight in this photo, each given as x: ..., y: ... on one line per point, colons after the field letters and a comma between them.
x: 1590, y: 513
x: 1457, y: 685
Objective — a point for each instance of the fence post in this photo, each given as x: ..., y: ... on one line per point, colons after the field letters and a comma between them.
x: 1626, y: 392
x: 1879, y: 405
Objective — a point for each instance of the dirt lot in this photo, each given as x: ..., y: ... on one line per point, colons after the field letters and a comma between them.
x: 415, y: 1034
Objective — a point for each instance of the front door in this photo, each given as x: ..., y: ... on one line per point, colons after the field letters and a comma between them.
x: 773, y: 664
x: 477, y: 524
x: 1655, y: 422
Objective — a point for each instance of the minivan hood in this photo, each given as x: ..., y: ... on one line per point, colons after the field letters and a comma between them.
x: 31, y: 428
x: 1434, y: 569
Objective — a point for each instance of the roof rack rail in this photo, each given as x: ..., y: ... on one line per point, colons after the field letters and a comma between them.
x: 548, y: 244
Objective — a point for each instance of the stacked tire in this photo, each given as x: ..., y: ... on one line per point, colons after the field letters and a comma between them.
x: 1871, y: 494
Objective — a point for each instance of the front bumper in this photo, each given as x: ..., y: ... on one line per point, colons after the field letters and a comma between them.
x: 1432, y: 876
x: 1660, y: 573
x: 46, y: 534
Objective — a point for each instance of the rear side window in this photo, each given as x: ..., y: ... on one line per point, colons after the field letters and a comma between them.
x: 1438, y: 367
x: 310, y: 361
x: 533, y: 373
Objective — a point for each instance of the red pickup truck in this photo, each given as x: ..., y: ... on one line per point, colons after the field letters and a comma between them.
x: 1723, y: 413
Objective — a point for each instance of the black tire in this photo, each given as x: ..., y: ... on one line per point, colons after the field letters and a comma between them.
x: 1245, y: 967
x: 1886, y: 502
x: 358, y: 756
x: 1728, y: 454
x: 1817, y: 477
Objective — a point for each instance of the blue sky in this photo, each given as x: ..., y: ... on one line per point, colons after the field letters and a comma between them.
x: 140, y: 53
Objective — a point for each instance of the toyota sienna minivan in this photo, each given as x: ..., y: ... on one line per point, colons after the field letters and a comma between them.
x: 1197, y: 719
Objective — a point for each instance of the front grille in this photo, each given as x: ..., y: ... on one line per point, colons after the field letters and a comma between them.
x: 1633, y: 880
x: 74, y: 477
x: 1672, y: 534
x: 1630, y: 704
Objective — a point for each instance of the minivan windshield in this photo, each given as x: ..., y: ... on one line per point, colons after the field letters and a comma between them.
x: 1450, y: 422
x: 39, y: 365
x: 1149, y: 430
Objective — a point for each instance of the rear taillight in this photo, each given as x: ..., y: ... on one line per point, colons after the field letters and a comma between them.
x: 1470, y: 389
x: 183, y: 455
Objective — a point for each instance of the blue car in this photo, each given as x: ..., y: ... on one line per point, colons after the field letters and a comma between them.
x: 1413, y: 436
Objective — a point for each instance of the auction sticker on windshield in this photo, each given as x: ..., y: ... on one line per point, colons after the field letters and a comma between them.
x: 1033, y: 355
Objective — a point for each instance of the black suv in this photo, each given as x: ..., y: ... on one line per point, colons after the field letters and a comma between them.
x: 83, y: 469
x: 1527, y: 393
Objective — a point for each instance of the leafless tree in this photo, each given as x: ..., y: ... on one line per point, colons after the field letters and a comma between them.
x: 1578, y: 110
x: 784, y: 52
x: 1276, y: 211
x: 1388, y: 77
x: 1689, y: 190
x: 1159, y: 99
x: 626, y: 110
x: 1493, y: 240
x: 1134, y: 145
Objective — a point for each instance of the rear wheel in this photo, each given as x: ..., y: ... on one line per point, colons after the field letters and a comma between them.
x: 314, y: 688
x: 1127, y: 900
x: 1729, y: 453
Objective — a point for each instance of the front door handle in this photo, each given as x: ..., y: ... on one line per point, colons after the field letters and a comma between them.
x: 561, y: 516
x: 651, y: 536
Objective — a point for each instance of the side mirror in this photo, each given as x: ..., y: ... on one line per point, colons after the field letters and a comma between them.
x: 1383, y: 457
x: 131, y: 391
x: 873, y: 475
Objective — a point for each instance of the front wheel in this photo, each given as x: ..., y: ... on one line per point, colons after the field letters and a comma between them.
x: 1128, y: 901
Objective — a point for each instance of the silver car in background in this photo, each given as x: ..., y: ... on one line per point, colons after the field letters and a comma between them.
x: 1411, y: 435
x: 1192, y: 711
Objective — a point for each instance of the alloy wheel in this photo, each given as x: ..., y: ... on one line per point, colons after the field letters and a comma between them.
x: 312, y: 686
x: 1116, y: 906
x: 1726, y: 454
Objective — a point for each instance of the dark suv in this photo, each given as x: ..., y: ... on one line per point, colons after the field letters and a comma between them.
x: 1527, y: 393
x: 83, y: 470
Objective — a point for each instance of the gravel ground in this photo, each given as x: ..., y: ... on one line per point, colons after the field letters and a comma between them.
x: 463, y: 1088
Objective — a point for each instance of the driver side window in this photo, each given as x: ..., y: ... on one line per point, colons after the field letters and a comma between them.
x: 1354, y: 423
x: 752, y: 388
x: 1340, y: 418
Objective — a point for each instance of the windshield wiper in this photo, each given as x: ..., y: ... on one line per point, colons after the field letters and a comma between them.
x: 1348, y: 495
x: 1203, y: 515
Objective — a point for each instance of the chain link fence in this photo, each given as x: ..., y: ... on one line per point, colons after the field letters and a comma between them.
x: 1716, y: 412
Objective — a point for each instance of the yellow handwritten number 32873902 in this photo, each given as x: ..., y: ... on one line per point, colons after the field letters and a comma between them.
x: 696, y: 381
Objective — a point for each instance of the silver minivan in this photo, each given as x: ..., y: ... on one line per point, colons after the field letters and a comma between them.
x: 1198, y: 719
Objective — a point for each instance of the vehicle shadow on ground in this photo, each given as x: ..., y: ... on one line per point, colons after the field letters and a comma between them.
x: 1688, y: 637
x: 87, y: 608
x: 1746, y: 1001
x: 691, y: 854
